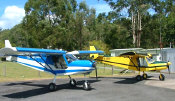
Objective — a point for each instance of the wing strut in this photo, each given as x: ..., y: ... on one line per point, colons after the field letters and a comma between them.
x: 138, y: 67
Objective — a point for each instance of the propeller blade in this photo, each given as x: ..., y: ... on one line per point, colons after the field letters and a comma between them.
x: 168, y: 65
x: 168, y: 69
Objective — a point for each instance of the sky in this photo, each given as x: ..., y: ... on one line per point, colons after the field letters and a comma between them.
x: 12, y: 11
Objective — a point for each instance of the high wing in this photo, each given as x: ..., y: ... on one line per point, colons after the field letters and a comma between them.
x: 9, y: 51
x: 85, y: 52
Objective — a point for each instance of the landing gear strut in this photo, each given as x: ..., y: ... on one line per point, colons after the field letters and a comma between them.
x: 52, y: 86
x: 72, y: 82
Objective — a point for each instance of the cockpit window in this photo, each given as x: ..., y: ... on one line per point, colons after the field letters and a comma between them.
x: 70, y: 58
x: 142, y: 62
x: 150, y: 60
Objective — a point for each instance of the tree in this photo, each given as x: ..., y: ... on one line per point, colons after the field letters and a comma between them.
x: 136, y: 9
x: 47, y: 22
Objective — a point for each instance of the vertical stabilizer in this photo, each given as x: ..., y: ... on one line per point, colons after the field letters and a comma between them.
x: 94, y: 56
x: 7, y: 44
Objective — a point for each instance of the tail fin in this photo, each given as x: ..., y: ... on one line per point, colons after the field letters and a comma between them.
x: 94, y: 56
x: 7, y: 44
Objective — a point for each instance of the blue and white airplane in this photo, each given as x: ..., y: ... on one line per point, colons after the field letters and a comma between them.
x: 56, y: 62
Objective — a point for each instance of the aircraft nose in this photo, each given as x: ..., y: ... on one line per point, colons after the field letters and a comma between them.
x: 94, y: 64
x: 169, y: 63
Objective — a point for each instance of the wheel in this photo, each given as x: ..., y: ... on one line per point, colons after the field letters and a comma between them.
x: 161, y: 77
x: 145, y: 76
x: 86, y: 85
x: 73, y: 83
x: 52, y: 87
x: 138, y: 78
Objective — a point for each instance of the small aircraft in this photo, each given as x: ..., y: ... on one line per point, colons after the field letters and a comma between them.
x: 134, y: 61
x: 56, y: 62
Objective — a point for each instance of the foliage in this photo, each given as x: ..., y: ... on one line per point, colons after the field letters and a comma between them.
x: 99, y: 45
x: 65, y: 24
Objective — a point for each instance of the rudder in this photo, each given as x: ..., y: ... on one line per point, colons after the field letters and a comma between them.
x: 94, y: 56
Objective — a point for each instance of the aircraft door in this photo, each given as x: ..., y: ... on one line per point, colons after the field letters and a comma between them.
x: 59, y: 62
x: 142, y: 62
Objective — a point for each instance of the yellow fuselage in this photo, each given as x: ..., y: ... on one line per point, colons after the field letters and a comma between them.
x: 134, y: 62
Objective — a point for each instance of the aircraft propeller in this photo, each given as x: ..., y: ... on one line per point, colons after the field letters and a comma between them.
x: 168, y: 65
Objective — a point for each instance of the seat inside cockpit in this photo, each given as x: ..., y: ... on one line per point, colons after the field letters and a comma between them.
x: 59, y: 62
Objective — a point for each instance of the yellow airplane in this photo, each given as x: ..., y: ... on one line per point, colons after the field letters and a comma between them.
x: 134, y: 61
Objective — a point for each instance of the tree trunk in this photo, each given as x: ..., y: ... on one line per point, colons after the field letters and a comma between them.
x: 133, y: 29
x: 139, y: 29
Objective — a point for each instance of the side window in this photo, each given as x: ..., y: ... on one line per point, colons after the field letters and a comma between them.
x: 70, y: 58
x: 143, y: 62
x: 59, y: 62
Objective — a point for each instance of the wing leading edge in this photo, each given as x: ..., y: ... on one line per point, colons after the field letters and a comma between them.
x: 85, y: 52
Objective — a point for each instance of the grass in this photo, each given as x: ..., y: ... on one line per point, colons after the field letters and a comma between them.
x: 11, y: 71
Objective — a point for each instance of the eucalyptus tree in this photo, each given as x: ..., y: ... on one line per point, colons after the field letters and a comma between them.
x: 136, y: 9
x: 165, y: 15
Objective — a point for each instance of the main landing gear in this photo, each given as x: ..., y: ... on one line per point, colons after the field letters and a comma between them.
x: 145, y: 76
x: 52, y: 86
x: 139, y: 77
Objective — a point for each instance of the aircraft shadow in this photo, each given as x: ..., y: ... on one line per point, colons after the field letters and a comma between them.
x: 43, y: 89
x: 131, y: 80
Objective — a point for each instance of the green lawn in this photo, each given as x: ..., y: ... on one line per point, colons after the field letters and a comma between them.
x: 11, y: 71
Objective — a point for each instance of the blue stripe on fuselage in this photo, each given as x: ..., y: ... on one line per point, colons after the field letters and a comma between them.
x: 57, y: 71
x: 48, y: 60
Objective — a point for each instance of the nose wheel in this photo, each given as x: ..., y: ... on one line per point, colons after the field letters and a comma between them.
x: 86, y: 85
x: 161, y: 77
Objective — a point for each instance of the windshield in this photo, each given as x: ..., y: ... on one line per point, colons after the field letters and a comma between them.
x: 150, y: 60
x: 70, y: 58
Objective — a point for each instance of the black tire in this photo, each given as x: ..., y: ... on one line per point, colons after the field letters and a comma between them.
x: 161, y: 77
x: 86, y: 86
x: 138, y: 78
x: 52, y: 87
x: 145, y: 76
x: 73, y: 83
